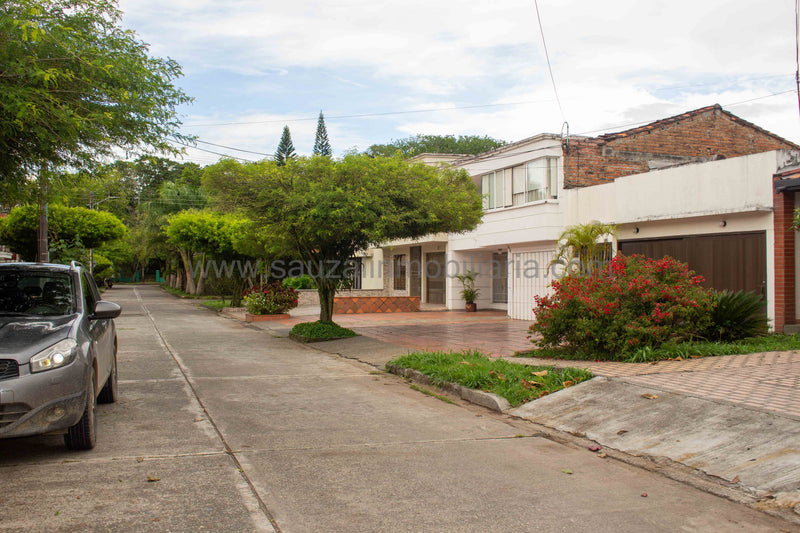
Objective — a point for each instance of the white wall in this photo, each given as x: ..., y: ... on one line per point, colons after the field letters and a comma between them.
x: 372, y: 269
x: 734, y: 185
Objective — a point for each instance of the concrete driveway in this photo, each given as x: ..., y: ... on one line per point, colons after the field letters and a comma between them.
x: 224, y: 427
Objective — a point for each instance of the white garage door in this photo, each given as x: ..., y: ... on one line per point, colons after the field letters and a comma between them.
x: 529, y: 275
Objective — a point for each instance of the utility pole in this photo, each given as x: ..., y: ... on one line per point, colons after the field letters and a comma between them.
x: 42, y: 252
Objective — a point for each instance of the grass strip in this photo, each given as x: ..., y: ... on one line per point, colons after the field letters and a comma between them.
x: 216, y: 305
x: 685, y: 350
x: 515, y: 382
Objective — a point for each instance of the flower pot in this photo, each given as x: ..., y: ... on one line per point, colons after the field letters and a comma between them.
x: 472, y: 307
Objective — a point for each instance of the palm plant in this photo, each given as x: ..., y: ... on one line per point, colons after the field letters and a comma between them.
x: 581, y: 243
x: 738, y: 315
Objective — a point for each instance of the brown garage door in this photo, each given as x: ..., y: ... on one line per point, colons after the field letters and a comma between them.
x: 736, y: 261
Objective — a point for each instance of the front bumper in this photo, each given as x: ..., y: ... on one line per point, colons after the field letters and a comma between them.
x: 45, y: 402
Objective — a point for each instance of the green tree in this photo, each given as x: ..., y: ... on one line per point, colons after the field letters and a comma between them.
x: 285, y: 151
x: 439, y: 144
x: 322, y: 145
x: 74, y: 85
x: 208, y: 235
x: 69, y: 228
x: 323, y: 211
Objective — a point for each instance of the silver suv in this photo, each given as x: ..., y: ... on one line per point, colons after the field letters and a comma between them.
x: 58, y: 352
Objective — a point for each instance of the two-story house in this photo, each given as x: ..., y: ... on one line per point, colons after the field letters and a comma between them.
x: 688, y: 186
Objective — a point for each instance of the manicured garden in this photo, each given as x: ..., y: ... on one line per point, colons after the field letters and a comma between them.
x: 636, y: 309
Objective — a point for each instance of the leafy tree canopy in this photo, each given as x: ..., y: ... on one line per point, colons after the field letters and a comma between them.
x: 438, y: 144
x: 74, y: 85
x: 68, y: 226
x: 323, y: 211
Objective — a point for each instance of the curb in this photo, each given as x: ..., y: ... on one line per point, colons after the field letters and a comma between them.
x: 484, y: 399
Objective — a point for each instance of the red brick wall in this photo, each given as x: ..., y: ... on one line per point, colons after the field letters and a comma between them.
x: 783, y: 204
x: 710, y: 133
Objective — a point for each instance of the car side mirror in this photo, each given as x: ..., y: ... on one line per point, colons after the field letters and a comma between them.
x: 104, y: 310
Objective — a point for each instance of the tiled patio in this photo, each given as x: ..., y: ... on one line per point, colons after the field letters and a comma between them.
x: 766, y: 381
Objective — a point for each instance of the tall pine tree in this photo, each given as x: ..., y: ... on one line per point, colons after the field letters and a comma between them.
x: 322, y: 145
x: 285, y: 150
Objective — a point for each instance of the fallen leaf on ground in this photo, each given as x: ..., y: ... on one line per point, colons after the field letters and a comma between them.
x: 541, y: 373
x: 654, y: 363
x: 644, y: 495
x: 530, y: 384
x: 567, y: 471
x: 679, y: 358
x: 622, y: 431
x: 153, y: 479
x: 492, y: 373
x: 602, y: 455
x: 139, y: 459
x: 594, y: 448
x: 735, y: 480
x: 544, y: 393
x: 568, y: 384
x: 649, y: 396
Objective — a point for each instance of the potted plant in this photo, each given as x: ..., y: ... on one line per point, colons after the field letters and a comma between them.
x: 468, y: 291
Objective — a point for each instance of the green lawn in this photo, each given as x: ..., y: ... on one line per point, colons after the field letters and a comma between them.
x: 515, y: 382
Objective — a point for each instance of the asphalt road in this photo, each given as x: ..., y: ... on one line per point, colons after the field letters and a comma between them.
x: 223, y: 427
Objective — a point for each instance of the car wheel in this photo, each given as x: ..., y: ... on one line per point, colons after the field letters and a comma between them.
x: 108, y: 394
x: 83, y: 435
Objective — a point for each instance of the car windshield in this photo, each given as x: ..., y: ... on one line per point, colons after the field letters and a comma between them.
x: 39, y: 293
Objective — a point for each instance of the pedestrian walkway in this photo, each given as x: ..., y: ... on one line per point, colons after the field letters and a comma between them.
x: 766, y: 381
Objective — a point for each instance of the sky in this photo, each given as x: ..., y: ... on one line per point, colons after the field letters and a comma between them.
x: 382, y: 70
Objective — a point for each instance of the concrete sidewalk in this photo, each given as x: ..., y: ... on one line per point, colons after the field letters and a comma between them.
x: 719, y: 416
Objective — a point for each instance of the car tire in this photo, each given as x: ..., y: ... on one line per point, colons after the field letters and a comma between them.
x: 109, y: 394
x: 83, y: 435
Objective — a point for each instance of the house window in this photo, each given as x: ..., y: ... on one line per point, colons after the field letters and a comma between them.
x: 358, y: 268
x: 399, y: 272
x: 541, y: 179
x: 494, y: 189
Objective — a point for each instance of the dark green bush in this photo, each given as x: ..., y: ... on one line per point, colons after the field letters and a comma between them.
x: 322, y: 330
x: 737, y: 315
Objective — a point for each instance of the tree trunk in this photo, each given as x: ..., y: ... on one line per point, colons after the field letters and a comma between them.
x: 201, y: 278
x: 190, y: 286
x: 236, y: 297
x: 327, y: 292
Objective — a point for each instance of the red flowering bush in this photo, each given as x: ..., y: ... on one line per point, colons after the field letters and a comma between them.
x: 631, y: 303
x: 270, y: 299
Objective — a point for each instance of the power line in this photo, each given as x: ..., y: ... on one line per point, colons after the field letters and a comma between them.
x: 212, y: 152
x: 232, y: 148
x: 547, y: 57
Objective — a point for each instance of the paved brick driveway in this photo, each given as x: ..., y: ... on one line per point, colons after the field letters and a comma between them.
x: 766, y: 381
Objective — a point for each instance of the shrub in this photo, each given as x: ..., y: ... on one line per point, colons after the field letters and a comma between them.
x: 321, y: 330
x: 631, y: 303
x: 737, y: 315
x: 302, y: 282
x: 270, y: 299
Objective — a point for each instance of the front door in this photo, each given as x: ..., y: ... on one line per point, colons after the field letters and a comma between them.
x: 435, y: 275
x: 415, y: 272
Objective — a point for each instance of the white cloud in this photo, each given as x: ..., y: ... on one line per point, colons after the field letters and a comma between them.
x: 615, y: 63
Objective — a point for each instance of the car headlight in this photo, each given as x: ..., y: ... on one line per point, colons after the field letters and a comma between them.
x: 60, y: 354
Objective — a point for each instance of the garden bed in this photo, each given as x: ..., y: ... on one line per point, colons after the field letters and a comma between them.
x: 264, y: 318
